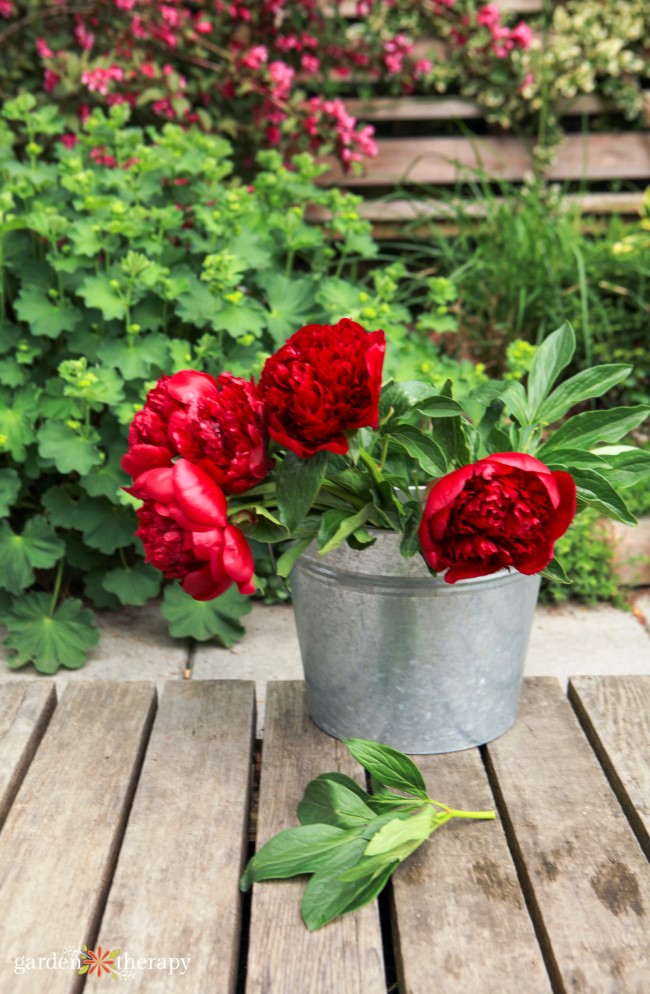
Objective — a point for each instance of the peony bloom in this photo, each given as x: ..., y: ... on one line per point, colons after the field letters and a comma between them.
x: 185, y: 531
x: 323, y: 382
x: 506, y: 510
x: 218, y: 424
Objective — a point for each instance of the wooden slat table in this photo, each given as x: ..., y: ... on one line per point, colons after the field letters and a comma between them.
x: 125, y: 824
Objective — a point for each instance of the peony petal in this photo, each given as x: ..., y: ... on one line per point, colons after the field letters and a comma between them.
x: 446, y: 490
x: 202, y: 586
x: 207, y: 544
x: 469, y: 571
x: 197, y: 495
x: 519, y: 460
x: 565, y: 513
x: 238, y: 559
x: 536, y: 559
x: 155, y: 484
x: 140, y: 458
x: 339, y: 444
x: 188, y: 385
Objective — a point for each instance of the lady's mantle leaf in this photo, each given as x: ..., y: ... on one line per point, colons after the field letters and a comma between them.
x: 105, y: 526
x: 49, y: 642
x: 37, y: 548
x: 70, y: 451
x: 203, y: 620
x: 9, y: 487
x: 388, y: 765
x: 43, y: 315
x: 297, y: 850
x: 134, y: 586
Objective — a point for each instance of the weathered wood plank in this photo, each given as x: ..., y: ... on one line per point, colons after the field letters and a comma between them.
x: 175, y: 893
x: 460, y: 916
x: 400, y: 211
x: 455, y: 108
x: 614, y: 712
x: 61, y: 836
x: 588, y: 883
x: 284, y: 958
x: 447, y: 160
x: 348, y: 8
x: 25, y: 710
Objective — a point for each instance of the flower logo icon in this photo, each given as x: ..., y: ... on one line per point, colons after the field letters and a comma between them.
x: 99, y: 962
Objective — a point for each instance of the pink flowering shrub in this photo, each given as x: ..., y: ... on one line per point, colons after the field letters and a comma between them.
x: 265, y: 72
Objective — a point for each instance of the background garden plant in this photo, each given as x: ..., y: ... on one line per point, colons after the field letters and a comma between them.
x: 278, y: 73
x: 125, y: 257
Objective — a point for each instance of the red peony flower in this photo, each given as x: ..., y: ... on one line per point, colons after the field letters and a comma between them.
x: 224, y: 432
x: 218, y: 424
x: 185, y: 531
x: 323, y: 382
x: 505, y: 510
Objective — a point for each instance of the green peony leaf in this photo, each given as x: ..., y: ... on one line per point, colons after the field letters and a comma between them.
x: 203, y: 620
x: 552, y: 356
x: 49, y: 641
x: 299, y: 481
x: 296, y: 850
x: 427, y: 453
x: 98, y: 293
x: 583, y: 386
x: 584, y: 431
x: 43, y: 315
x: 9, y: 487
x: 71, y: 452
x: 391, y: 767
x: 135, y: 586
x: 105, y: 526
x: 37, y: 548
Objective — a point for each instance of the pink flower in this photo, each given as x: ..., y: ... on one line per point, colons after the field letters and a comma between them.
x: 50, y: 80
x: 522, y: 35
x: 422, y: 67
x: 310, y: 63
x: 273, y: 135
x: 203, y: 27
x: 85, y: 38
x: 148, y: 69
x: 255, y: 57
x: 282, y: 76
x: 6, y: 8
x: 488, y: 16
x: 69, y: 140
x: 43, y: 49
x: 100, y: 79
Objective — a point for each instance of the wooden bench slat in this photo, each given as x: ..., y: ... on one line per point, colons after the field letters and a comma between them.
x: 446, y: 160
x: 431, y: 108
x: 588, y: 880
x: 61, y: 837
x: 25, y: 710
x: 175, y: 892
x: 614, y: 712
x: 460, y: 915
x: 283, y: 957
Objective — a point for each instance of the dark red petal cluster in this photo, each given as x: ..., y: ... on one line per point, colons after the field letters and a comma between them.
x: 224, y: 432
x: 324, y: 382
x: 506, y: 510
x: 218, y: 424
x: 185, y: 531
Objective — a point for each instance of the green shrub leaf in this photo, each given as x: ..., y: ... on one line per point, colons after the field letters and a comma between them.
x: 70, y: 451
x: 216, y: 619
x: 9, y: 487
x: 49, y: 641
x: 135, y: 586
x: 37, y: 548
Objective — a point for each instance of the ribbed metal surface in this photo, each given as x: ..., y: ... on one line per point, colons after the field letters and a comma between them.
x: 392, y: 654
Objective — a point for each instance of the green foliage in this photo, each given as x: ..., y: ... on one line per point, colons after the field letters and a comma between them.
x: 588, y: 558
x: 352, y: 841
x: 114, y: 276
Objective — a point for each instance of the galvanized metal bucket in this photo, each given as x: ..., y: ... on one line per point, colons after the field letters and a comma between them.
x: 392, y: 654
